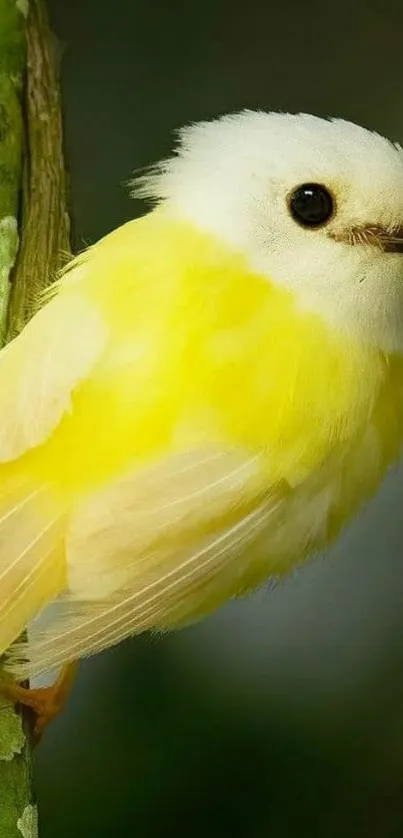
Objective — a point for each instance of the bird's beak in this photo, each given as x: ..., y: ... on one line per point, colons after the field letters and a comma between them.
x: 389, y: 241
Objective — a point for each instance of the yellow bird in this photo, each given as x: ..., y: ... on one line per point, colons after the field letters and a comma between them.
x: 209, y: 393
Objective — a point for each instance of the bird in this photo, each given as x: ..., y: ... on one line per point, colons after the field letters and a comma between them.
x: 207, y: 395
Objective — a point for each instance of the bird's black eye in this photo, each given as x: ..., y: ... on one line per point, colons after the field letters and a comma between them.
x: 311, y: 205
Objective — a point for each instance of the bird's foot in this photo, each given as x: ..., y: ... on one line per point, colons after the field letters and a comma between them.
x: 45, y: 702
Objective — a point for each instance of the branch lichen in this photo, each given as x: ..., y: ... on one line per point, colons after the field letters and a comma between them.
x: 23, y: 7
x: 12, y: 737
x: 8, y: 253
x: 28, y: 822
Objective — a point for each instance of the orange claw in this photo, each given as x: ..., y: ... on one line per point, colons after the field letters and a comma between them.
x: 45, y: 702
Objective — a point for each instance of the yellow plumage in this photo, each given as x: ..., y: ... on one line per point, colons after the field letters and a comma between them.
x: 194, y: 354
x: 176, y: 427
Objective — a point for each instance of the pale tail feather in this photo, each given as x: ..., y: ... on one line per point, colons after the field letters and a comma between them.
x: 31, y: 561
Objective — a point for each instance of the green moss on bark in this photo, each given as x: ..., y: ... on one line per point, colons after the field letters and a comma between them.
x: 16, y: 796
x: 15, y: 764
x: 12, y: 65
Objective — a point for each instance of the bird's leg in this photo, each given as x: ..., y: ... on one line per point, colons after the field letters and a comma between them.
x: 45, y: 702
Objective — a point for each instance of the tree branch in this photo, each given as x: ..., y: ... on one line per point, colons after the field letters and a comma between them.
x: 12, y: 63
x: 33, y: 222
x: 45, y: 221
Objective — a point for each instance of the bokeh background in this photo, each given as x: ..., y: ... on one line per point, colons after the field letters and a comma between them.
x: 282, y: 715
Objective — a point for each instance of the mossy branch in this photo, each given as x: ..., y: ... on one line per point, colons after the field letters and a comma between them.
x: 45, y: 225
x: 12, y: 66
x: 34, y: 240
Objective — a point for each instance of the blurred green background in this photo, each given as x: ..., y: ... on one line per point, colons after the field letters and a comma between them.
x: 282, y: 715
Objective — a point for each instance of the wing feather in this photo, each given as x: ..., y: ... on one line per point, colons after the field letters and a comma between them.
x: 40, y: 368
x: 38, y: 371
x: 179, y: 563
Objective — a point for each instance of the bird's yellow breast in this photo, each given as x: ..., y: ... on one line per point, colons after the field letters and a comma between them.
x: 202, y: 349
